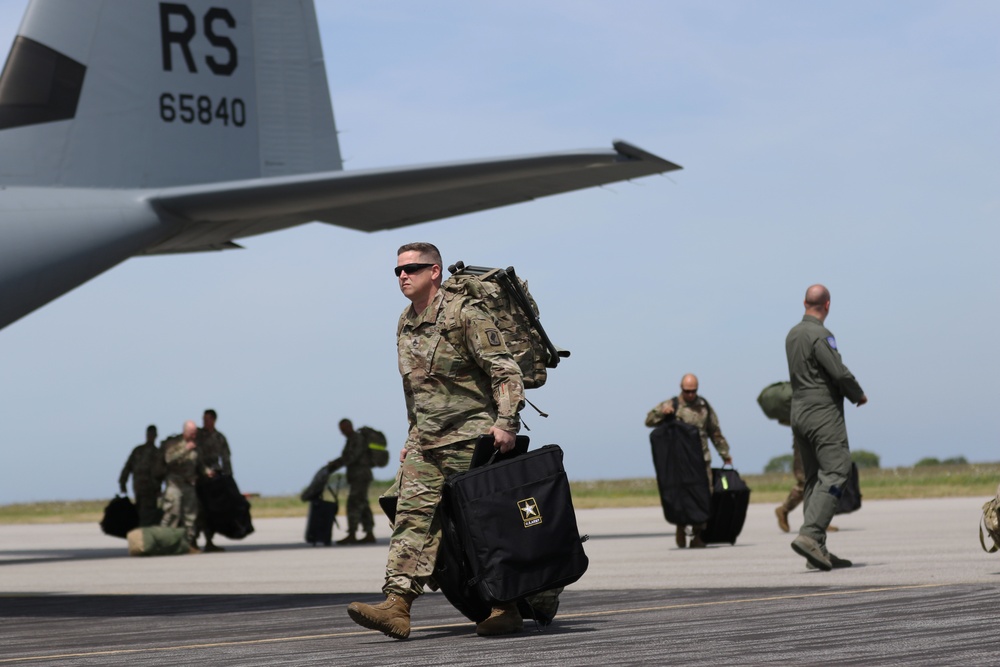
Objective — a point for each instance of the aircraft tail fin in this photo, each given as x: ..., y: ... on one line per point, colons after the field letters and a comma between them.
x: 126, y: 94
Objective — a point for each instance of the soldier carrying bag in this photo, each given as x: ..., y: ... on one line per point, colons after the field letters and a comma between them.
x: 991, y: 522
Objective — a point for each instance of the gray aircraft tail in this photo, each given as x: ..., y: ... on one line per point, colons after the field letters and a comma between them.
x: 141, y: 94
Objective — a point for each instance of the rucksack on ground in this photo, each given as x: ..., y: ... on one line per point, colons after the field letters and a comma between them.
x: 157, y: 541
x: 515, y: 312
x: 378, y: 446
x: 776, y: 401
x: 991, y: 522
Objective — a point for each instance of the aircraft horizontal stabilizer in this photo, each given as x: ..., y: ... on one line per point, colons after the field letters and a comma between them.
x: 372, y: 200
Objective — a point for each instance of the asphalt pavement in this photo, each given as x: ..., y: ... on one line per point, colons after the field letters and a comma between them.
x: 921, y: 592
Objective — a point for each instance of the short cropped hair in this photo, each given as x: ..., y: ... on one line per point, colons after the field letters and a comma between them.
x: 426, y: 250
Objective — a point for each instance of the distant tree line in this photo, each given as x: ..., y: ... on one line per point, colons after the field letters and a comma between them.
x: 934, y: 461
x: 863, y: 459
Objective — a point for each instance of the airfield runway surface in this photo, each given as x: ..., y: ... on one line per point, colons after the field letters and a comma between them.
x: 921, y: 592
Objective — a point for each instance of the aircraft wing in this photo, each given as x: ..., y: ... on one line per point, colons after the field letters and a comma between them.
x: 212, y: 215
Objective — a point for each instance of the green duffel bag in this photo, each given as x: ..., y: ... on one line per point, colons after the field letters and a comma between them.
x: 776, y: 401
x: 157, y: 541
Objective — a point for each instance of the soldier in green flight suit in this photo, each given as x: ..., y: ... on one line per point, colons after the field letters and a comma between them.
x: 820, y: 382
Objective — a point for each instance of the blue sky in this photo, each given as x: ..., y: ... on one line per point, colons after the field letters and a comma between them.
x: 852, y: 144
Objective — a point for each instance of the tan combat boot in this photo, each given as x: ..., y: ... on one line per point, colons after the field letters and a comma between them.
x: 782, y: 515
x: 391, y: 617
x: 503, y: 619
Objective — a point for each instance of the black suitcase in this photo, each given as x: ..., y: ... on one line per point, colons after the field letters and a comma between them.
x: 319, y: 523
x: 516, y: 524
x: 120, y: 516
x: 850, y: 495
x: 225, y: 510
x: 730, y: 498
x: 680, y: 473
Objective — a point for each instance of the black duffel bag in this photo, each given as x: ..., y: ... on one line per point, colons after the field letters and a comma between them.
x: 224, y: 509
x: 120, y: 516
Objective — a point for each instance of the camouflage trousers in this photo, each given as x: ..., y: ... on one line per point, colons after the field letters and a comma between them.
x: 359, y: 509
x: 798, y: 491
x: 180, y: 508
x: 417, y: 534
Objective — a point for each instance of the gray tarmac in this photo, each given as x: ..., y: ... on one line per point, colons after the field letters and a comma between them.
x: 921, y: 592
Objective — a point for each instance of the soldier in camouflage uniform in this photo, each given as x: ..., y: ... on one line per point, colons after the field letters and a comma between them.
x: 460, y: 382
x: 214, y: 459
x: 694, y: 410
x: 359, y: 477
x: 145, y: 465
x: 820, y: 382
x: 180, y: 500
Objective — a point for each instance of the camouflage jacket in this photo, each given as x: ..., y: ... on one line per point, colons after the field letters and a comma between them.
x: 182, y: 463
x: 146, y: 466
x: 697, y: 413
x: 214, y: 452
x: 355, y: 454
x: 459, y: 379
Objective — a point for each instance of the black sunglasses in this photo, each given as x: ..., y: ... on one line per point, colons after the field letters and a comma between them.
x: 410, y: 269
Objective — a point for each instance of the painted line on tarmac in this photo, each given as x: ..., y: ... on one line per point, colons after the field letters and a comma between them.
x: 359, y: 633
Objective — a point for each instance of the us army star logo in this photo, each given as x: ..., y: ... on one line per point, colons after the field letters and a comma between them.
x: 530, y: 513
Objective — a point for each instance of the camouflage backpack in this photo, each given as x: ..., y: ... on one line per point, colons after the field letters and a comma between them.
x: 378, y: 448
x: 991, y: 522
x: 516, y: 315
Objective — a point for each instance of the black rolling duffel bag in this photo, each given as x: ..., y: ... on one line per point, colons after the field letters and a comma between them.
x: 730, y: 499
x: 516, y: 524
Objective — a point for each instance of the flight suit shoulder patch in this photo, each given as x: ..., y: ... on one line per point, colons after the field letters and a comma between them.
x: 832, y: 342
